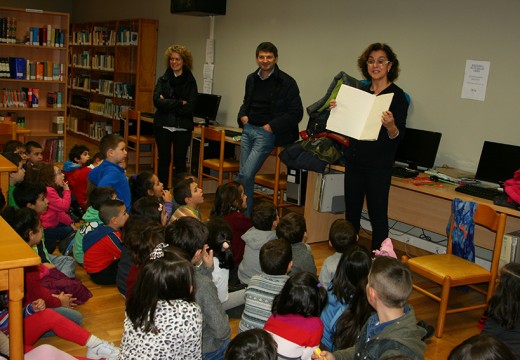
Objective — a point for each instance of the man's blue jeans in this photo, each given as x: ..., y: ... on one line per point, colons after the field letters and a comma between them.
x: 255, y: 146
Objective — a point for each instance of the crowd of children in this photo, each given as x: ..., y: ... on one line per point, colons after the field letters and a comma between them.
x: 182, y: 276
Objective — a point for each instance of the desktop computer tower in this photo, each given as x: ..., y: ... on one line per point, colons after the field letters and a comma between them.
x: 211, y: 150
x: 296, y: 186
x: 510, y: 248
x: 329, y: 193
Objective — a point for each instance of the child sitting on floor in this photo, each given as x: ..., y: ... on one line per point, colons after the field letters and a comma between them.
x: 163, y: 321
x: 189, y: 196
x: 265, y: 220
x: 342, y: 236
x: 102, y: 246
x: 295, y: 324
x: 110, y: 172
x: 148, y: 184
x: 91, y: 218
x: 76, y: 172
x: 56, y: 222
x: 292, y: 228
x: 32, y: 195
x: 34, y: 152
x: 394, y: 324
x: 15, y: 177
x: 276, y: 262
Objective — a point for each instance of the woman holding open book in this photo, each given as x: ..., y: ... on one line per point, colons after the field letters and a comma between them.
x: 369, y: 163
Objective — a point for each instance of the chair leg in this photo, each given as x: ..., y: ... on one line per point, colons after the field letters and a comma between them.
x: 445, y: 294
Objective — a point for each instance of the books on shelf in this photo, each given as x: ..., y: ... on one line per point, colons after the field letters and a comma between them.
x: 45, y: 36
x: 44, y: 70
x: 8, y: 27
x: 58, y: 124
x: 53, y: 150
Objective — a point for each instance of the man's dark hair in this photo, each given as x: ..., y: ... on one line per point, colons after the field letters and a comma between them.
x: 188, y: 234
x: 267, y: 47
x: 76, y: 152
x: 264, y: 213
x: 291, y: 228
x: 275, y: 256
x: 27, y: 192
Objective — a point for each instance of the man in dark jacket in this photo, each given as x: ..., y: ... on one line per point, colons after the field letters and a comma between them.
x: 270, y: 114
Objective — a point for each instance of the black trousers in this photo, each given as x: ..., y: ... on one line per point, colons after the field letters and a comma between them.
x: 374, y: 183
x: 165, y: 139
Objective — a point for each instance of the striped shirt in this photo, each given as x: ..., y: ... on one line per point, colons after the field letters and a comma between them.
x: 259, y: 300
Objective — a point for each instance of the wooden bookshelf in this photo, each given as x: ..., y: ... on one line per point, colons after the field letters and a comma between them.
x: 40, y: 39
x: 112, y: 68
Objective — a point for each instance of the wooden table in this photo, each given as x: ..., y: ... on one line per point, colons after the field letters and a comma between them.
x: 15, y: 254
x: 426, y: 207
x: 5, y: 168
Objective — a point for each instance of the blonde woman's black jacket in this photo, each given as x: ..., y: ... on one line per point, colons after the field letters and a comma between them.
x: 174, y: 89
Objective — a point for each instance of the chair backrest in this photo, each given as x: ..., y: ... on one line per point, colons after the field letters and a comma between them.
x: 487, y: 217
x: 8, y: 128
x: 133, y: 115
x: 211, y: 134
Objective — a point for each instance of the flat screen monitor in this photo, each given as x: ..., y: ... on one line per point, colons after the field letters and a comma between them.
x: 206, y: 108
x: 418, y: 148
x: 498, y: 162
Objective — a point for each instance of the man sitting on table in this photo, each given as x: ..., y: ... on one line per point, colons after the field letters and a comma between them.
x: 270, y: 114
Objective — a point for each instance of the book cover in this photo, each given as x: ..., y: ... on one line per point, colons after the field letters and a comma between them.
x: 35, y: 97
x: 59, y: 100
x: 39, y: 70
x: 358, y: 113
x: 17, y: 67
x: 58, y: 124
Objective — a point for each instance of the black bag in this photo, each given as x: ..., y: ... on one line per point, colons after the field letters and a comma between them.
x: 317, y: 122
x: 65, y: 245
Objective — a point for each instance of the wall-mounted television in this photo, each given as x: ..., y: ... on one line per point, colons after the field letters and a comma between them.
x: 418, y: 148
x: 206, y: 108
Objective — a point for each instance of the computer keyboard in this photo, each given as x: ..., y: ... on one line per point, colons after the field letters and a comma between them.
x: 402, y: 172
x: 479, y: 191
x: 231, y: 133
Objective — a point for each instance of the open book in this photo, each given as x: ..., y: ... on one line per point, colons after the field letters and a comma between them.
x: 358, y: 113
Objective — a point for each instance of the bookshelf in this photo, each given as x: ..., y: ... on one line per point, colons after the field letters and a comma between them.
x: 112, y: 68
x: 33, y: 79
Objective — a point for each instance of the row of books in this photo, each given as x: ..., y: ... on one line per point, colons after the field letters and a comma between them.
x: 103, y: 62
x: 23, y: 69
x: 53, y: 150
x: 55, y: 99
x: 116, y: 89
x: 8, y: 30
x: 46, y: 36
x: 95, y: 130
x: 24, y: 98
x: 101, y: 36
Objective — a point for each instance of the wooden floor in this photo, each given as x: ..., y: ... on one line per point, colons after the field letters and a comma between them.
x: 104, y: 312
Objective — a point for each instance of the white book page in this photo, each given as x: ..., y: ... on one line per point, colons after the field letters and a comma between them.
x: 356, y: 114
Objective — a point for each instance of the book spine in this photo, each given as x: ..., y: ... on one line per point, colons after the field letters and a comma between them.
x: 35, y: 97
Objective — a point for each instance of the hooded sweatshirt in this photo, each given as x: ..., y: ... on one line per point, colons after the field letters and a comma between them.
x: 91, y: 221
x: 254, y: 240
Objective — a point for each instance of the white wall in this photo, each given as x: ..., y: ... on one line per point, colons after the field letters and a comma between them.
x: 433, y: 40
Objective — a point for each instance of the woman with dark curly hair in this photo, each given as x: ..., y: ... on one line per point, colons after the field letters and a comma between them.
x: 369, y: 163
x: 174, y: 97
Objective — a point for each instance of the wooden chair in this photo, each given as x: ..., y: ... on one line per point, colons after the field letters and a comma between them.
x: 276, y: 181
x: 219, y: 164
x: 448, y: 270
x: 7, y: 131
x: 134, y: 141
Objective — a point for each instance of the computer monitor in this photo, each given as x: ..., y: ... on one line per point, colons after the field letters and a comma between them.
x: 418, y: 148
x: 498, y: 162
x: 206, y: 108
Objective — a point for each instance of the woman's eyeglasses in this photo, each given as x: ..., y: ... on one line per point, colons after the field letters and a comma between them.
x: 378, y: 62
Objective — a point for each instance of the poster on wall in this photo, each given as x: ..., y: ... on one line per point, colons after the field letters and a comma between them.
x: 475, y: 80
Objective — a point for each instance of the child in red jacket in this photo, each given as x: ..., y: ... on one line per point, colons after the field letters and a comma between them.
x: 103, y: 245
x: 76, y: 172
